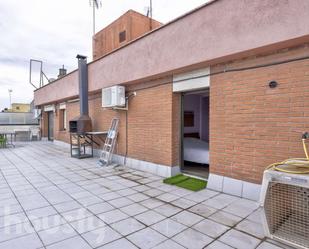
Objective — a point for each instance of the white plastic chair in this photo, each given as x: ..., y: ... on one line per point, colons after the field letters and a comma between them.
x: 35, y: 132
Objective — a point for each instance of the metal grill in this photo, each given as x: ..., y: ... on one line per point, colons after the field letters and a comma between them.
x: 287, y: 213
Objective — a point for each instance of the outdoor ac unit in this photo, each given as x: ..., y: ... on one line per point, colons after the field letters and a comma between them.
x: 37, y: 113
x: 113, y: 96
x: 285, y: 202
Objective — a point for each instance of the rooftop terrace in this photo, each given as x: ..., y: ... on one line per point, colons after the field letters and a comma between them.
x: 49, y: 200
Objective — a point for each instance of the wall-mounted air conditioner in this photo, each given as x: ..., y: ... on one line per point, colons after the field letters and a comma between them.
x: 113, y: 97
x: 285, y: 202
x: 37, y: 113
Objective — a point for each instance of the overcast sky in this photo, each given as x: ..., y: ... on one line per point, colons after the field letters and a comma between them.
x: 54, y: 31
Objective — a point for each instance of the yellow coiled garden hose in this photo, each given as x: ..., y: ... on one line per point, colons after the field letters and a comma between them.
x: 294, y: 165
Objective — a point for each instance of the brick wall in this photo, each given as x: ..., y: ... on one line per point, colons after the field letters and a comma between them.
x: 150, y: 125
x: 176, y: 119
x: 44, y: 124
x: 251, y: 125
x: 151, y: 136
x: 133, y: 23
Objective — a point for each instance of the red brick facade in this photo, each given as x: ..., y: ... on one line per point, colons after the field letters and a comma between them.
x: 151, y: 136
x: 252, y: 125
x: 132, y: 23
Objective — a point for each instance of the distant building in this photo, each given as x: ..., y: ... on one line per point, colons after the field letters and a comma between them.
x: 126, y: 28
x: 18, y: 107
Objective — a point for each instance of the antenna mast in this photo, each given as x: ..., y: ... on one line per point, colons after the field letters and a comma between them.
x: 150, y: 13
x: 95, y: 4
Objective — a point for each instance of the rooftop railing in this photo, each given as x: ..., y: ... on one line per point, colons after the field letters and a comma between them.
x: 18, y: 118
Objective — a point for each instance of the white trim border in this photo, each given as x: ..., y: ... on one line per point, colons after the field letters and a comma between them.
x: 215, y: 182
x: 235, y: 187
x: 157, y: 169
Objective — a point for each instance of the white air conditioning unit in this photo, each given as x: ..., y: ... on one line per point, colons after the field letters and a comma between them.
x: 37, y: 113
x: 285, y: 205
x: 113, y: 96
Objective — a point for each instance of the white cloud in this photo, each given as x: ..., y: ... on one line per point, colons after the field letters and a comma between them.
x: 54, y: 31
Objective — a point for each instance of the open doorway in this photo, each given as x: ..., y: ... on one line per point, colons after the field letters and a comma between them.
x: 50, y: 125
x: 195, y: 133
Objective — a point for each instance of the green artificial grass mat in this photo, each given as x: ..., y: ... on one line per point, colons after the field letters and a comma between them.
x: 186, y: 182
x: 175, y: 179
x: 193, y: 184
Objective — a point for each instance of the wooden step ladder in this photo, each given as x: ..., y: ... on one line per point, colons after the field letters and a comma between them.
x: 109, y: 145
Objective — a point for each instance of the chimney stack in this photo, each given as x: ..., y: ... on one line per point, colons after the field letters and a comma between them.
x: 62, y: 72
x: 82, y: 123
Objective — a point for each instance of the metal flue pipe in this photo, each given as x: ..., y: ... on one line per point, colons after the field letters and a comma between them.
x: 83, y: 84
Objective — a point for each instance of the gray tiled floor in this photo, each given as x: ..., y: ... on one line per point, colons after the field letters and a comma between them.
x: 49, y: 200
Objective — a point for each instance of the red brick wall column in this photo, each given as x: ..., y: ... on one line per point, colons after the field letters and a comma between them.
x: 252, y: 125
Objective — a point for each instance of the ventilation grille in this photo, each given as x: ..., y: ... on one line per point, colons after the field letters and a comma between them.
x: 287, y: 213
x: 107, y: 97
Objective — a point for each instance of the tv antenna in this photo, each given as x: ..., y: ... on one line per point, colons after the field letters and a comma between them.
x: 37, y: 78
x: 149, y: 14
x: 95, y: 4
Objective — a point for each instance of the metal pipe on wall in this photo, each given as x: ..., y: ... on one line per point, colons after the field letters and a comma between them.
x: 83, y: 84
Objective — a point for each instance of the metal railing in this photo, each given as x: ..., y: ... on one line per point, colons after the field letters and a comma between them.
x: 17, y: 118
